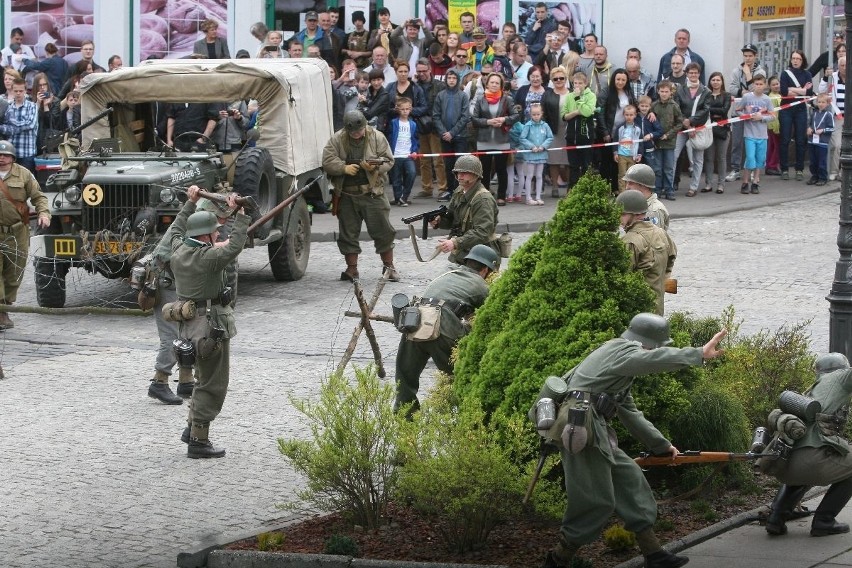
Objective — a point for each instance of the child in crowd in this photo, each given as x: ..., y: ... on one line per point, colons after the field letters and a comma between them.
x: 757, y: 106
x: 404, y: 141
x: 515, y: 166
x: 670, y: 118
x: 577, y: 112
x: 630, y: 144
x: 773, y: 144
x: 819, y: 130
x: 651, y: 131
x: 501, y: 59
x: 537, y: 136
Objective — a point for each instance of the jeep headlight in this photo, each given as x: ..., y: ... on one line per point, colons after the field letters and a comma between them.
x: 167, y: 195
x: 73, y: 193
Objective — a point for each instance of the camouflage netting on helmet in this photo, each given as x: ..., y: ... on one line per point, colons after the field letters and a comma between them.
x: 566, y: 290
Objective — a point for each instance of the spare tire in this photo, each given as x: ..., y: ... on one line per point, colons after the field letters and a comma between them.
x: 254, y: 176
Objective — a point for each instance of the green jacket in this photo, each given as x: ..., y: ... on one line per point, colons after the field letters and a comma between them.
x: 376, y: 147
x: 671, y: 120
x: 611, y: 368
x: 833, y: 390
x: 472, y: 220
x: 653, y: 253
x: 462, y: 284
x: 199, y: 269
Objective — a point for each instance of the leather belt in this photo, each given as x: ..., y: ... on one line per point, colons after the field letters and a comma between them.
x: 602, y: 402
x: 356, y: 189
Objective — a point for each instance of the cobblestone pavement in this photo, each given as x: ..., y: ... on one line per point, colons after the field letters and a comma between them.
x: 93, y: 472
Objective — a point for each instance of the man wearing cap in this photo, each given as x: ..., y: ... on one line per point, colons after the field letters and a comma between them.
x: 820, y: 64
x: 409, y: 47
x: 159, y: 274
x: 17, y: 184
x: 480, y: 52
x: 199, y: 263
x: 641, y: 178
x: 455, y: 294
x: 740, y: 83
x: 652, y: 252
x: 682, y: 38
x: 311, y: 33
x: 600, y: 478
x: 358, y: 158
x: 536, y: 36
x: 356, y: 42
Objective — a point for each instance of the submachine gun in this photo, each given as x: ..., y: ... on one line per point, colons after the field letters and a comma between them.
x: 427, y: 218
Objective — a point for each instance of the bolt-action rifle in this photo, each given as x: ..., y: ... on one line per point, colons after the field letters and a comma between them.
x: 647, y: 460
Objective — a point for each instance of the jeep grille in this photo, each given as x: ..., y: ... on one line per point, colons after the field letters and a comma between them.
x: 120, y: 202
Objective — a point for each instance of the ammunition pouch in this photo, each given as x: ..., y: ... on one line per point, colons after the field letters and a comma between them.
x: 184, y: 352
x: 460, y: 309
x: 430, y: 323
x: 180, y: 310
x: 409, y: 319
x: 603, y: 403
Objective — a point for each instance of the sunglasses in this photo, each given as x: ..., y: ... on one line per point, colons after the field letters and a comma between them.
x: 557, y: 78
x: 465, y: 56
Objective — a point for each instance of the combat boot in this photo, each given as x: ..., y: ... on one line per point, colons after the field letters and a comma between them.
x: 199, y: 442
x: 184, y: 436
x: 186, y: 382
x: 561, y: 555
x: 782, y: 506
x: 5, y: 321
x: 655, y: 555
x: 160, y: 390
x: 825, y: 523
x: 351, y: 272
x: 389, y: 271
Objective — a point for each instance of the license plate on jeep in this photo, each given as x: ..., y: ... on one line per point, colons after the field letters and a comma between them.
x: 116, y: 247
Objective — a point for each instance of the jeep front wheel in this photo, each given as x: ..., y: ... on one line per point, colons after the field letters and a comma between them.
x: 49, y: 275
x: 288, y: 258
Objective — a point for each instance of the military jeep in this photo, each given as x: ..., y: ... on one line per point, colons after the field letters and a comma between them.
x: 117, y: 193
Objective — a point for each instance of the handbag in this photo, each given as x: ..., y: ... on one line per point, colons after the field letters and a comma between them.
x: 424, y: 124
x: 703, y: 138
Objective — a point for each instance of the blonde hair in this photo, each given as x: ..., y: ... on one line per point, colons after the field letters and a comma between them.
x: 570, y: 62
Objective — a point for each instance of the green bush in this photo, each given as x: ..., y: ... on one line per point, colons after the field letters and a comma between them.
x: 269, y: 541
x: 342, y: 545
x: 349, y: 462
x: 618, y: 538
x: 557, y: 304
x: 716, y: 421
x: 457, y: 473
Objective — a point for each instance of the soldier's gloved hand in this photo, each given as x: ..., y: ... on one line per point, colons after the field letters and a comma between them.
x: 368, y: 166
x: 351, y: 169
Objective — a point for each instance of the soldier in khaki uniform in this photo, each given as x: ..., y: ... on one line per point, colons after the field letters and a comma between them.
x: 600, y: 479
x: 358, y: 159
x: 198, y: 263
x: 17, y: 185
x: 822, y: 456
x: 651, y: 249
x: 641, y: 178
x: 459, y: 292
x: 472, y: 216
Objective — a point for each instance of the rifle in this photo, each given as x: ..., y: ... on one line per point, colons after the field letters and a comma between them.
x: 646, y: 459
x: 545, y: 450
x: 427, y: 218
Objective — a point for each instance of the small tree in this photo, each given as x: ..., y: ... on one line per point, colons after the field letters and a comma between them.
x: 349, y: 462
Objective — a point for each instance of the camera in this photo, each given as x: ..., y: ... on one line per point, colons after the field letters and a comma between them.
x: 231, y: 112
x: 271, y: 48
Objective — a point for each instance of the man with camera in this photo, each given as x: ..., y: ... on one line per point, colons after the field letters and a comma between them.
x: 432, y: 324
x: 204, y: 311
x: 409, y: 47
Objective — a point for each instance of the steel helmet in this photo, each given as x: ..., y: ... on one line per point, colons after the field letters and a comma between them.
x: 641, y: 174
x: 830, y: 362
x: 470, y: 164
x: 354, y: 120
x: 650, y: 330
x: 484, y: 255
x: 218, y: 208
x: 8, y: 148
x: 633, y: 201
x: 201, y: 223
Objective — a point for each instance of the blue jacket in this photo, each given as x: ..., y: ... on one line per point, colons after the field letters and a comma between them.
x: 56, y: 69
x: 822, y: 120
x: 393, y: 134
x: 666, y: 65
x: 655, y: 129
x: 536, y: 134
x: 536, y: 38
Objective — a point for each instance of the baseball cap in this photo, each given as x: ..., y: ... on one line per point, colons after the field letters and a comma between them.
x: 311, y: 16
x: 478, y: 31
x: 749, y: 47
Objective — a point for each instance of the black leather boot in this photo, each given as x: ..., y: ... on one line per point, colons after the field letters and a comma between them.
x: 825, y: 523
x: 199, y: 442
x: 787, y: 498
x: 163, y: 393
x: 664, y: 559
x: 184, y: 436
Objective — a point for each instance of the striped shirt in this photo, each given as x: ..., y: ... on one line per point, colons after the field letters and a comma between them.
x: 837, y: 89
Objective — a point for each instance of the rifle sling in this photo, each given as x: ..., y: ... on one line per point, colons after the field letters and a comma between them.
x: 20, y: 206
x: 413, y: 234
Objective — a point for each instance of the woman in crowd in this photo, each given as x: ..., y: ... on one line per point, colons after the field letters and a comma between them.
x: 611, y: 117
x: 44, y: 100
x: 694, y: 114
x: 452, y: 44
x: 493, y: 114
x: 441, y: 32
x: 796, y: 81
x: 211, y: 46
x: 78, y: 71
x: 9, y: 75
x: 715, y: 157
x: 532, y: 93
x: 551, y: 104
x: 404, y: 87
x: 271, y: 47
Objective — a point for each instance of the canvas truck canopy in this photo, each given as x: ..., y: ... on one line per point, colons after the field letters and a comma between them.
x: 293, y: 95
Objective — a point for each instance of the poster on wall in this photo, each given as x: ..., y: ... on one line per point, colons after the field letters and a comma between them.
x: 168, y: 29
x: 585, y: 17
x: 356, y: 6
x: 489, y: 14
x: 64, y: 23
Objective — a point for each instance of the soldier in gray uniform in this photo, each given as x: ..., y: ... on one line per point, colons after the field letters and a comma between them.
x: 168, y: 330
x: 822, y: 456
x: 458, y: 292
x: 641, y: 178
x: 199, y: 263
x: 652, y: 252
x: 600, y: 479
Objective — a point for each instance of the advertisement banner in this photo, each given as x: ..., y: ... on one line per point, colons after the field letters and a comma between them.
x: 64, y: 23
x: 489, y: 14
x: 354, y: 6
x: 757, y: 10
x: 169, y: 30
x: 585, y: 17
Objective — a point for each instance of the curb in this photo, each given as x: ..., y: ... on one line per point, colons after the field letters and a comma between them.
x: 713, y: 531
